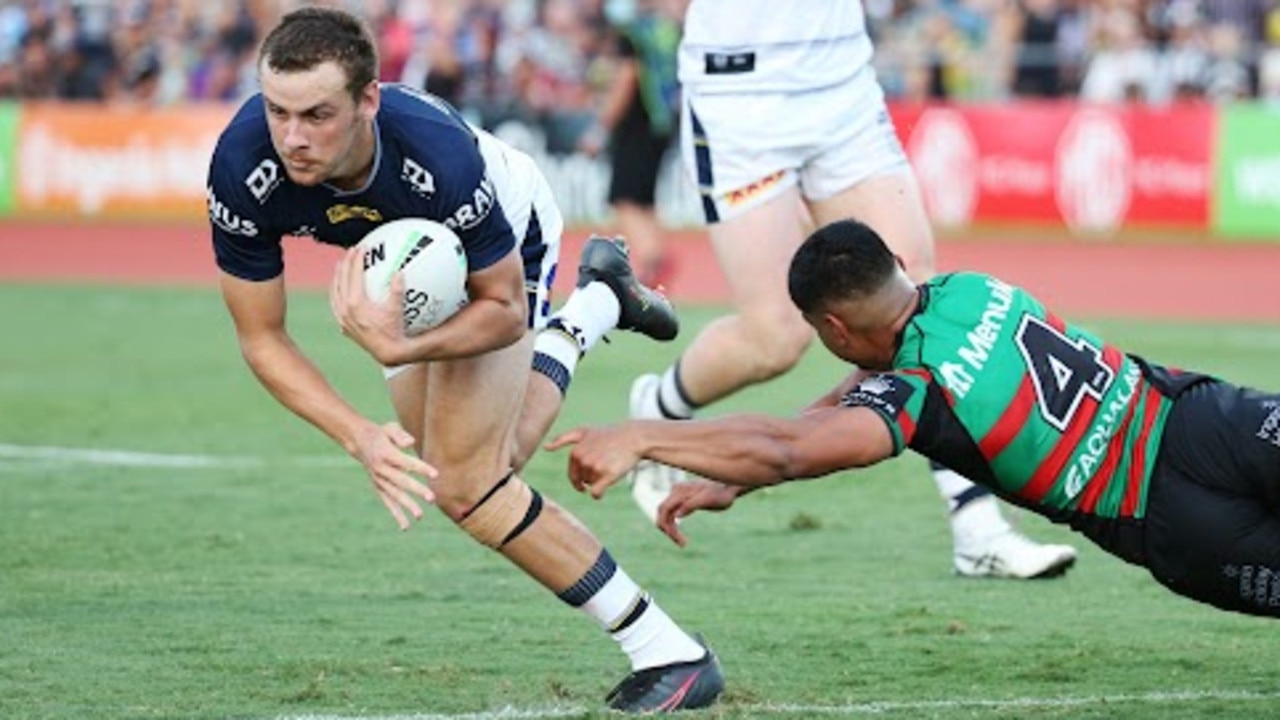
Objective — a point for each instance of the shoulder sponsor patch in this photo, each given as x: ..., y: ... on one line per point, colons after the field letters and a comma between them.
x: 263, y: 180
x: 885, y: 393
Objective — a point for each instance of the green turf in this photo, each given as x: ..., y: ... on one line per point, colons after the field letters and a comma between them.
x: 283, y: 589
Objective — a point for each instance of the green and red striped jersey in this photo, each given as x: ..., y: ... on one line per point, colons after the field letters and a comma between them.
x: 989, y: 383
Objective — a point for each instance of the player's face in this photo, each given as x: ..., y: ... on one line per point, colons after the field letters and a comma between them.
x: 862, y: 348
x: 320, y: 132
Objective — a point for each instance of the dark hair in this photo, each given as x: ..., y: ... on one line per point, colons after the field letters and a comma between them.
x: 846, y: 259
x: 310, y: 36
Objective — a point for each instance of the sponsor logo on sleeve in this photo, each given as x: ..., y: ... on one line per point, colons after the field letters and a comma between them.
x: 1270, y: 428
x: 226, y: 220
x: 263, y: 180
x: 471, y: 213
x: 886, y: 393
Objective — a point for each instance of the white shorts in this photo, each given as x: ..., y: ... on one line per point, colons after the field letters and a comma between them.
x: 742, y: 149
x: 538, y: 226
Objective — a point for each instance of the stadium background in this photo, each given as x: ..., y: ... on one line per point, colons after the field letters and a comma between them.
x: 1140, y: 192
x: 1148, y: 122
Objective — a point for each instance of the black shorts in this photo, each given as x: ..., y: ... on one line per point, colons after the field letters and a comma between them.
x: 636, y: 157
x: 1212, y: 525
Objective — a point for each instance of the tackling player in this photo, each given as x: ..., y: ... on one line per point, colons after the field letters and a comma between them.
x: 327, y: 151
x: 784, y: 120
x: 1174, y: 471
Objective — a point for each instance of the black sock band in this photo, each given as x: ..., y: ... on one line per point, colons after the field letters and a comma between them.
x: 591, y: 583
x: 975, y: 492
x: 553, y: 369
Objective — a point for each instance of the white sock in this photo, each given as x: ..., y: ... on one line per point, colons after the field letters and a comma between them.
x: 651, y: 637
x: 951, y: 485
x: 654, y: 639
x: 589, y: 313
x: 974, y: 512
x: 561, y: 346
x: 671, y: 401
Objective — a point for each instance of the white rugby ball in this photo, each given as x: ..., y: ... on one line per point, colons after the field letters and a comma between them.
x: 434, y: 265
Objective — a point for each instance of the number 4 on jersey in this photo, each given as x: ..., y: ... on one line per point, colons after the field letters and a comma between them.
x: 1063, y: 370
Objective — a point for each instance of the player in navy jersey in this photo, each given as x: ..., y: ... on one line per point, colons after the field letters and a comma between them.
x: 1175, y: 471
x: 327, y: 151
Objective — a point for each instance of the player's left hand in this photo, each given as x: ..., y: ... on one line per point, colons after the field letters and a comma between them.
x: 600, y: 456
x: 378, y: 327
x: 687, y: 498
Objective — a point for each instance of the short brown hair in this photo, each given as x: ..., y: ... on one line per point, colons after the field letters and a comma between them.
x: 310, y: 36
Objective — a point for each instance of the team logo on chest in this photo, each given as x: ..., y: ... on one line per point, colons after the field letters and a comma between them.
x: 417, y: 178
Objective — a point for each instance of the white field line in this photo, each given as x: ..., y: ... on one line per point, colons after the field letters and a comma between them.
x: 44, y: 456
x: 1189, y: 697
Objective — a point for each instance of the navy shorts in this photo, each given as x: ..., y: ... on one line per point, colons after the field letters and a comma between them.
x: 1212, y: 525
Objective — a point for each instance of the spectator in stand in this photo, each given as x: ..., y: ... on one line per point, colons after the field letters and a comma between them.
x: 1123, y: 66
x: 1228, y: 77
x: 554, y: 57
x: 1184, y: 63
x: 1036, y: 71
x: 37, y: 68
x: 1269, y: 61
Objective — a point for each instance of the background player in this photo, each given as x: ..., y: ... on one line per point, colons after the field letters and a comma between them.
x: 1175, y: 471
x: 638, y: 118
x: 326, y: 151
x: 784, y: 120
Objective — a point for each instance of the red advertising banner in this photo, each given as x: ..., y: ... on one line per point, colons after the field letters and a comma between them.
x: 1092, y: 168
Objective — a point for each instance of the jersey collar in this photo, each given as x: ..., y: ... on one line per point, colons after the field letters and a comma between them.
x: 922, y: 295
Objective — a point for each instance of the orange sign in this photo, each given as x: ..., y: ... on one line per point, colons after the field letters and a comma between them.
x: 103, y: 161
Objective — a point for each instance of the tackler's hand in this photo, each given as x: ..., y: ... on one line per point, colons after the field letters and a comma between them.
x: 687, y: 498
x: 600, y: 456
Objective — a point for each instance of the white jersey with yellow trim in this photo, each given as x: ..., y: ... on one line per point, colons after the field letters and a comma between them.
x: 734, y: 46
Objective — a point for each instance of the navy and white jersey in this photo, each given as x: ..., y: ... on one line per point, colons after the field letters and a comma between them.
x: 428, y: 163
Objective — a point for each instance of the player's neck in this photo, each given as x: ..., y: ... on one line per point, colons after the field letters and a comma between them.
x: 354, y: 173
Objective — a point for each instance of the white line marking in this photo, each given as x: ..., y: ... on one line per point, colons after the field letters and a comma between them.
x: 46, y: 455
x: 868, y: 708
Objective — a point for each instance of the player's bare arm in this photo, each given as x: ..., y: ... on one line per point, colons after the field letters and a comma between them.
x: 494, y: 318
x: 258, y: 312
x: 749, y: 450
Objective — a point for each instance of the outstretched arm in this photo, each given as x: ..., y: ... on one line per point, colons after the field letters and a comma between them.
x: 749, y: 450
x: 258, y: 311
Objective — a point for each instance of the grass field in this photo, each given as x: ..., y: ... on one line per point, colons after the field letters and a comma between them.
x: 217, y: 558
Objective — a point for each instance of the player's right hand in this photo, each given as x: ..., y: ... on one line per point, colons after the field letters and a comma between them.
x: 388, y: 457
x: 687, y: 498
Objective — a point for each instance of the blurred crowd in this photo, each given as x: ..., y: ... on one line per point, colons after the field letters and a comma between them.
x: 1100, y: 50
x: 547, y: 60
